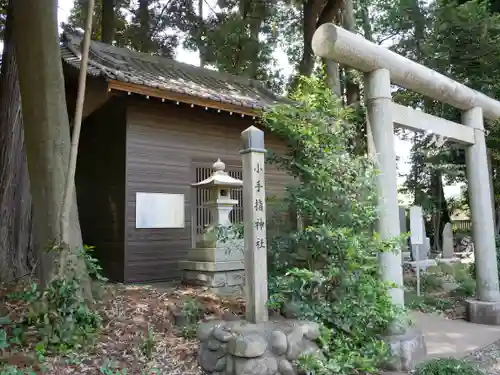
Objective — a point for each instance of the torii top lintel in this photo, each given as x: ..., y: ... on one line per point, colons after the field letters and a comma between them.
x: 335, y: 43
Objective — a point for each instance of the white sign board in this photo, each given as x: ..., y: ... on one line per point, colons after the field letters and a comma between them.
x: 159, y: 210
x: 416, y: 225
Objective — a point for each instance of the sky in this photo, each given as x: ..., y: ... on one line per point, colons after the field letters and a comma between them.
x: 402, y: 147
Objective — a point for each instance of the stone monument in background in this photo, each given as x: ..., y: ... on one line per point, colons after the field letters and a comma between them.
x: 448, y: 244
x: 403, y: 228
x: 423, y: 250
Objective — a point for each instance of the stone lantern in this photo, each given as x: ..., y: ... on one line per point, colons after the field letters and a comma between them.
x: 220, y: 204
x: 217, y: 262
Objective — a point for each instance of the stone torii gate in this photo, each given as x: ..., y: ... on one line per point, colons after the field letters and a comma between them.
x: 381, y: 67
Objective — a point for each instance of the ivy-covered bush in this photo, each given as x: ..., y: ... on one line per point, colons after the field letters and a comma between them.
x: 324, y: 263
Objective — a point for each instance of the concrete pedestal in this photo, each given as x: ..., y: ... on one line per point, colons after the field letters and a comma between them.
x: 406, y: 349
x: 481, y: 312
x: 224, y: 252
x: 221, y: 269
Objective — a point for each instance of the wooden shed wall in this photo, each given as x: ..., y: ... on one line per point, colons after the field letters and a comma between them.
x: 165, y: 143
x: 100, y: 184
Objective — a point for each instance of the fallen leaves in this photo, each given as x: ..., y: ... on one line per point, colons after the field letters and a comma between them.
x: 131, y: 316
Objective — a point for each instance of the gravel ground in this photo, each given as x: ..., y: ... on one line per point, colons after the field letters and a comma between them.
x: 487, y: 358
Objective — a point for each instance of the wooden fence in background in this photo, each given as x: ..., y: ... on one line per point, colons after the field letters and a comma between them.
x: 461, y: 225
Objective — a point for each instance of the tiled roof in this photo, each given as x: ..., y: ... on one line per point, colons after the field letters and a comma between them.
x: 157, y: 72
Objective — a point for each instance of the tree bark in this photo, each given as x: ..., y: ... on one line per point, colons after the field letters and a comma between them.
x: 69, y: 186
x: 254, y: 21
x: 309, y: 26
x: 348, y: 22
x: 201, y: 47
x: 252, y: 15
x: 16, y: 256
x: 332, y: 71
x: 365, y: 19
x: 108, y: 21
x: 46, y: 125
x: 144, y: 26
x: 441, y: 214
x: 316, y: 13
x: 311, y: 11
x: 330, y: 13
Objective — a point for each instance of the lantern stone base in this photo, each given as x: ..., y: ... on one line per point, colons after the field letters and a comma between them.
x: 221, y: 253
x: 223, y: 278
x: 270, y: 348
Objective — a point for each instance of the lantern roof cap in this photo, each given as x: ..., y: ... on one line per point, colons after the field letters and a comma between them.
x: 219, y: 177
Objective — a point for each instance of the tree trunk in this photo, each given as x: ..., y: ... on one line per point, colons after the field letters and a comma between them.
x: 314, y: 14
x: 46, y: 125
x: 497, y: 227
x: 332, y: 68
x: 365, y: 19
x: 144, y: 22
x: 252, y: 15
x: 108, y: 21
x: 492, y: 186
x: 16, y: 256
x: 254, y: 21
x: 201, y: 47
x: 332, y: 71
x: 311, y: 10
x: 309, y: 27
x: 348, y: 22
x: 441, y: 214
x: 419, y: 23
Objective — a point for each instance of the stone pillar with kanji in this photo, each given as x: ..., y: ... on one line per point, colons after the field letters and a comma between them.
x: 254, y: 217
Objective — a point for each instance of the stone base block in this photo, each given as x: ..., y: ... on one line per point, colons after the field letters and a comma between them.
x: 448, y: 260
x: 482, y: 312
x: 407, y: 350
x: 220, y: 278
x: 224, y: 252
x: 239, y: 347
x: 422, y: 264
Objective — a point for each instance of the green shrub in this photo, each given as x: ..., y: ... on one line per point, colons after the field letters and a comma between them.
x: 58, y: 316
x: 430, y: 283
x: 427, y: 303
x: 447, y: 366
x: 466, y: 288
x: 327, y: 266
x: 191, y: 312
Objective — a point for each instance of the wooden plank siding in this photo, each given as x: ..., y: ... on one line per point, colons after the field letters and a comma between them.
x: 100, y: 185
x: 165, y: 142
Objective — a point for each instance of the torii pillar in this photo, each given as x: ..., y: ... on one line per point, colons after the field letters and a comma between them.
x: 406, y: 344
